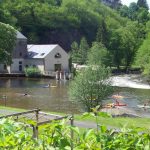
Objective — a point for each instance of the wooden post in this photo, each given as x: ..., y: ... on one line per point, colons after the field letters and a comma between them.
x: 37, y: 115
x: 72, y: 135
x: 35, y: 131
x: 17, y: 118
x: 34, y: 135
x: 64, y: 75
x: 60, y: 75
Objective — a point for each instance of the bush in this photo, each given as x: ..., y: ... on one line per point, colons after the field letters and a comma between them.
x: 57, y: 136
x: 32, y: 72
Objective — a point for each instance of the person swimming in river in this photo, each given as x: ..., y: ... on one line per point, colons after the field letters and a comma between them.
x: 47, y: 86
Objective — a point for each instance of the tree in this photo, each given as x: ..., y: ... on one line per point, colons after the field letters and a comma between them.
x: 115, y: 50
x: 124, y: 11
x: 133, y: 11
x: 143, y: 16
x: 102, y: 33
x: 143, y: 3
x: 83, y: 50
x: 98, y: 54
x: 91, y: 85
x: 75, y: 52
x: 79, y: 52
x: 143, y: 56
x: 7, y: 42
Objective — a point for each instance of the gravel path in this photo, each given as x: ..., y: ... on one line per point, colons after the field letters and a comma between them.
x: 43, y: 117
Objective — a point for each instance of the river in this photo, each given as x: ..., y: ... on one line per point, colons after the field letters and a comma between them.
x: 55, y: 98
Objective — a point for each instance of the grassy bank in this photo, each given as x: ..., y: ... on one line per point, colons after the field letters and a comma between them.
x: 113, y: 122
x: 119, y: 122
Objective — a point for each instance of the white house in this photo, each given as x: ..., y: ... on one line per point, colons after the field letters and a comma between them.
x: 48, y: 58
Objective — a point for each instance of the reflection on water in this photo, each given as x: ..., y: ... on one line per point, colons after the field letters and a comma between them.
x: 56, y: 98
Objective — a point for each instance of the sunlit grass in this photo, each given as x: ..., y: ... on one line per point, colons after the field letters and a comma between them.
x: 117, y: 122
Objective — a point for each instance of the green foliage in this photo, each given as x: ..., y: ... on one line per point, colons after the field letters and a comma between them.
x: 79, y: 52
x: 65, y: 21
x: 32, y: 72
x: 136, y: 11
x: 45, y: 21
x: 98, y: 54
x: 142, y: 3
x: 57, y: 135
x: 102, y: 33
x: 124, y: 44
x: 83, y: 50
x: 75, y: 52
x: 7, y: 42
x: 90, y: 87
x: 143, y: 56
x: 13, y: 136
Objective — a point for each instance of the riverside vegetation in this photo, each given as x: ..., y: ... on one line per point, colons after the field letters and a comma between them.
x: 16, y: 135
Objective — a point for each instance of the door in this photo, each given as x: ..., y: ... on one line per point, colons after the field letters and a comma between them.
x: 20, y: 68
x: 57, y: 67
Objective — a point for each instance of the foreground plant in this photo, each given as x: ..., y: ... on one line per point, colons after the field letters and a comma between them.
x: 59, y: 135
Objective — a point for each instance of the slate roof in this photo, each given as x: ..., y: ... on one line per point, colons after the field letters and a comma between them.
x: 20, y: 35
x: 39, y: 51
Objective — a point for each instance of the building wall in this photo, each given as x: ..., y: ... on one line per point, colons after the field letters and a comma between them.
x: 20, y: 50
x: 50, y: 60
x: 2, y: 69
x: 17, y: 63
x: 14, y: 67
x: 39, y: 63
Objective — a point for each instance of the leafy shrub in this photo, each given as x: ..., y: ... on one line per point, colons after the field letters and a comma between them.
x: 57, y: 135
x: 32, y: 72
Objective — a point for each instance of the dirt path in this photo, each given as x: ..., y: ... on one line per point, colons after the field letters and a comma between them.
x: 43, y: 117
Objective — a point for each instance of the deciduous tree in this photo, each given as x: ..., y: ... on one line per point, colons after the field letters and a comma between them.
x: 91, y: 85
x: 7, y: 42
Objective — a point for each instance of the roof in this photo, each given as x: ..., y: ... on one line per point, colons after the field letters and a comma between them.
x: 39, y: 51
x: 20, y: 35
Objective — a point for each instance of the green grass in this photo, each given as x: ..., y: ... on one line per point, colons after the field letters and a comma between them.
x: 119, y: 121
x: 112, y: 122
x: 12, y: 109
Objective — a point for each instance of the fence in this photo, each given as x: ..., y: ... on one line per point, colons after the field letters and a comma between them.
x: 40, y: 118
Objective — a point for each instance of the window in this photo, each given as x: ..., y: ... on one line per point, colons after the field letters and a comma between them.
x: 42, y: 54
x: 57, y: 55
x: 20, y: 62
x: 5, y: 67
x: 20, y: 54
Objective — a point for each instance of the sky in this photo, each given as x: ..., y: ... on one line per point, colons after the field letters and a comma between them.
x: 127, y: 2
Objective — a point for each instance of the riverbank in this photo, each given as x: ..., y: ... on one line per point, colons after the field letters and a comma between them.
x: 16, y: 75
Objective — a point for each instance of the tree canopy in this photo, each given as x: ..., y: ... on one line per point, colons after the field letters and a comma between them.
x: 7, y: 42
x: 76, y: 25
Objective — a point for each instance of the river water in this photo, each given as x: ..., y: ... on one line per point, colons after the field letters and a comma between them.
x: 55, y: 98
x: 51, y: 99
